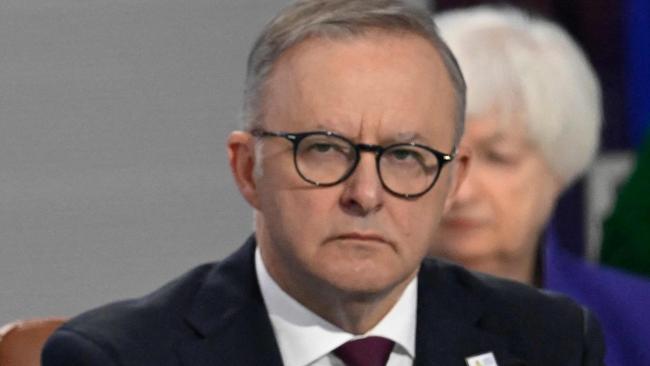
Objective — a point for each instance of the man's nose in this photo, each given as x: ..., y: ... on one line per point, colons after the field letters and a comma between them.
x: 363, y: 192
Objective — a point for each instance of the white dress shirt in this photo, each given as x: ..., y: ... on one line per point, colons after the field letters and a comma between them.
x: 306, y: 339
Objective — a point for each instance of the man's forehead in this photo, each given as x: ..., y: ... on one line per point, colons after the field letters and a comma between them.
x: 320, y: 61
x: 396, y: 79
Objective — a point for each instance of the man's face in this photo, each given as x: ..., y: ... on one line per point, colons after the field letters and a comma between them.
x: 354, y: 237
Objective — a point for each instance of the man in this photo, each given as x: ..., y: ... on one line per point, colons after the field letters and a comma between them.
x: 354, y: 109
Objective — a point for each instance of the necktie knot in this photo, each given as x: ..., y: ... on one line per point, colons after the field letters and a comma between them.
x: 369, y: 351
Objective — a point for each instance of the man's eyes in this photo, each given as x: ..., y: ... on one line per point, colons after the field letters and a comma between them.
x: 406, y: 158
x: 405, y: 154
x: 327, y: 147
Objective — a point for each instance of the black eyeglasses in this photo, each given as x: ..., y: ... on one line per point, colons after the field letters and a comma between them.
x: 324, y: 159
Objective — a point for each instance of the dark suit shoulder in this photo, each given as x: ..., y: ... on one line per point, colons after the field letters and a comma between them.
x: 216, y: 306
x: 525, y: 316
x: 500, y: 293
x: 151, y: 324
x: 153, y: 308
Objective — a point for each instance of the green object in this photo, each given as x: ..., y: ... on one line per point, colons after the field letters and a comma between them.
x: 626, y: 236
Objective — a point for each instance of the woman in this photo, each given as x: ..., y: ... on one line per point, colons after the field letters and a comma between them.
x: 533, y: 126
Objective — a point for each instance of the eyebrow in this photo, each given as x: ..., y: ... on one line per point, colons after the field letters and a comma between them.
x: 321, y: 127
x: 410, y: 137
x: 401, y: 137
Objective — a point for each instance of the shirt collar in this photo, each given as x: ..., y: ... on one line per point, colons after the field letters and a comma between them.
x: 296, y: 327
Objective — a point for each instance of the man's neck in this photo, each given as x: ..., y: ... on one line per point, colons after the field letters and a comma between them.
x: 353, y: 312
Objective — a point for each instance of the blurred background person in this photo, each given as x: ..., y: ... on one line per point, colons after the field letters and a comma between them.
x: 534, y: 119
x: 533, y: 124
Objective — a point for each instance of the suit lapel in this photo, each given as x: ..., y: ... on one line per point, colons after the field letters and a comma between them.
x: 233, y: 327
x: 229, y: 317
x: 450, y: 318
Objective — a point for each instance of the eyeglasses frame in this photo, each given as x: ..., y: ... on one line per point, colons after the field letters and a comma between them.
x: 378, y: 150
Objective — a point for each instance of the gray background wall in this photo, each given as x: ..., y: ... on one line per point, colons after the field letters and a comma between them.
x: 113, y: 119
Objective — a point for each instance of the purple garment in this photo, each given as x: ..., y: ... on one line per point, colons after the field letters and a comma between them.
x: 621, y: 301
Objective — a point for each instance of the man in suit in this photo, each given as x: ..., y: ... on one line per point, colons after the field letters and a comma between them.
x: 353, y: 111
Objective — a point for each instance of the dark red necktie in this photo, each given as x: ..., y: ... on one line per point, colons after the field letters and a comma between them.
x: 370, y: 351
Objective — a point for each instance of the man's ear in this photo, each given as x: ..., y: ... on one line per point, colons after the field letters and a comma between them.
x: 241, y: 155
x: 459, y: 170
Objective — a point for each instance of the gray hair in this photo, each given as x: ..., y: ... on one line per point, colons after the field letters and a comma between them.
x: 523, y: 66
x: 337, y: 19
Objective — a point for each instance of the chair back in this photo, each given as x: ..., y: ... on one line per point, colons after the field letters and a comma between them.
x: 21, y: 342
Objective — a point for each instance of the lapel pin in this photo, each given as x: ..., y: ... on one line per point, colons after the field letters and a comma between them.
x: 484, y: 359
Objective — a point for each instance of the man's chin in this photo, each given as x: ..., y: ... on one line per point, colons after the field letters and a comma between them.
x: 363, y: 292
x: 365, y: 284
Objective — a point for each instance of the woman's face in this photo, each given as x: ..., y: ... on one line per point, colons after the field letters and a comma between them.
x: 504, y: 203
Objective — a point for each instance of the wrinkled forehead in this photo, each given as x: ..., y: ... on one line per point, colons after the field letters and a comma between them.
x: 396, y: 83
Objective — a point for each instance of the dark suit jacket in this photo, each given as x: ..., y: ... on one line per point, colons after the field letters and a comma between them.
x: 215, y: 315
